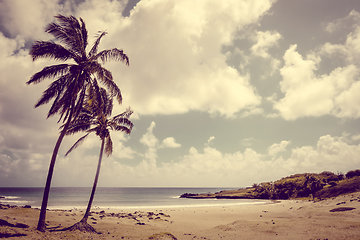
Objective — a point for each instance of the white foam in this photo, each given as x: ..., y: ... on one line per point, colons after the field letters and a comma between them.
x: 16, y: 202
x: 9, y: 197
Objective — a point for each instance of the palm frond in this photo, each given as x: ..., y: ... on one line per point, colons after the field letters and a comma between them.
x: 122, y: 125
x: 49, y: 72
x: 49, y: 49
x: 67, y: 101
x: 94, y: 98
x: 80, y: 102
x: 67, y: 31
x: 106, y: 78
x: 125, y: 114
x: 55, y: 89
x: 113, y: 54
x: 84, y: 33
x: 104, y: 103
x: 94, y: 129
x: 108, y: 146
x: 94, y: 48
x: 80, y: 126
x: 123, y: 129
x: 108, y: 107
x: 57, y: 104
x: 78, y: 143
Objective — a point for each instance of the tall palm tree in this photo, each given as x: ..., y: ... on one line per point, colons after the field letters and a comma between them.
x: 72, y: 78
x: 95, y: 117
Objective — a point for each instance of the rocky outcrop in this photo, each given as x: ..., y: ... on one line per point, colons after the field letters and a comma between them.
x: 306, y: 185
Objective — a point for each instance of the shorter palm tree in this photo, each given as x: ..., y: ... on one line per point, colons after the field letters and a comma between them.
x: 94, y: 117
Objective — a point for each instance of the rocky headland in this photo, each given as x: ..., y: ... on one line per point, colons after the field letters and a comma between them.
x: 314, y: 186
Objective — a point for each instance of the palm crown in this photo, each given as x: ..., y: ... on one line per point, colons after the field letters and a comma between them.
x: 73, y: 79
x: 95, y: 117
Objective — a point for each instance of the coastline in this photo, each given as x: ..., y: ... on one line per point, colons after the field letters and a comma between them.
x: 285, y: 219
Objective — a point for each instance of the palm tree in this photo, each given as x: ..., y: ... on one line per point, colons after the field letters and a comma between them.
x: 94, y: 117
x: 72, y: 79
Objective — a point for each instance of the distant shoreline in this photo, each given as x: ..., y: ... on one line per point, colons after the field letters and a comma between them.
x: 299, y: 186
x: 328, y: 219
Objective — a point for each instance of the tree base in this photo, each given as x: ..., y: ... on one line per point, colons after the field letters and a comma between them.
x: 81, y: 226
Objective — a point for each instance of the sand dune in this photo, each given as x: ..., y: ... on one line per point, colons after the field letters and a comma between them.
x: 288, y: 219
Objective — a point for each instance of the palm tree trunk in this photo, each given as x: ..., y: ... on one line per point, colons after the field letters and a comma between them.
x: 41, y: 223
x: 87, y: 213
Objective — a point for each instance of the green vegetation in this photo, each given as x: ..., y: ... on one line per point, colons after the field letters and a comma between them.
x: 298, y: 186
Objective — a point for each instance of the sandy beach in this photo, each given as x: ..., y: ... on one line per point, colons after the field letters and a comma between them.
x: 287, y: 219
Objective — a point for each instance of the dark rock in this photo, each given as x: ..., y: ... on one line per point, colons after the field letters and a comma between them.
x: 17, y: 225
x: 342, y: 209
x: 9, y: 235
x: 189, y: 195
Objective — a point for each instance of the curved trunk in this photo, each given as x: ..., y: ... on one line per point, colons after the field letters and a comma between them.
x: 87, y: 213
x: 41, y: 223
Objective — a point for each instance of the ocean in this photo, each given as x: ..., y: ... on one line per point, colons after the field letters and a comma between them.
x: 67, y: 198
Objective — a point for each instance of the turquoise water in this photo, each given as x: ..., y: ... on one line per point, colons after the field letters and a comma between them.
x: 115, y: 198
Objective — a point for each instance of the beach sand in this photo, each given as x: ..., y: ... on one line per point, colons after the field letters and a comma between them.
x: 286, y: 219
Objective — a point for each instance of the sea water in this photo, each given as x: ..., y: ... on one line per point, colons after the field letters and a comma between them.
x: 115, y: 198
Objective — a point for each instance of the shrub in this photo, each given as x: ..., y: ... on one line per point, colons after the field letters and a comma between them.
x: 352, y: 173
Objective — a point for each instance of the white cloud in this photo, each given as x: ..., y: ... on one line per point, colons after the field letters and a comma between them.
x: 148, y: 139
x: 181, y: 67
x: 276, y: 148
x: 247, y: 142
x: 29, y: 18
x: 310, y: 95
x: 119, y: 149
x: 210, y: 167
x: 338, y: 24
x: 211, y: 139
x: 152, y: 142
x: 170, y: 142
x: 350, y: 50
x: 207, y: 167
x: 264, y: 41
x: 176, y: 66
x: 355, y: 137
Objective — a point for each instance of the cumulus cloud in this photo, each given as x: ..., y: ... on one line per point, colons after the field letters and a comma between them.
x: 210, y: 140
x: 276, y: 148
x: 211, y: 167
x: 338, y: 24
x: 176, y: 66
x: 181, y: 67
x: 264, y: 41
x: 170, y: 142
x: 29, y: 18
x: 310, y: 95
x: 152, y: 142
x: 208, y: 167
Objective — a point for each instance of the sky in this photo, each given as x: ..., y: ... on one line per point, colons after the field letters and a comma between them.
x: 224, y: 93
